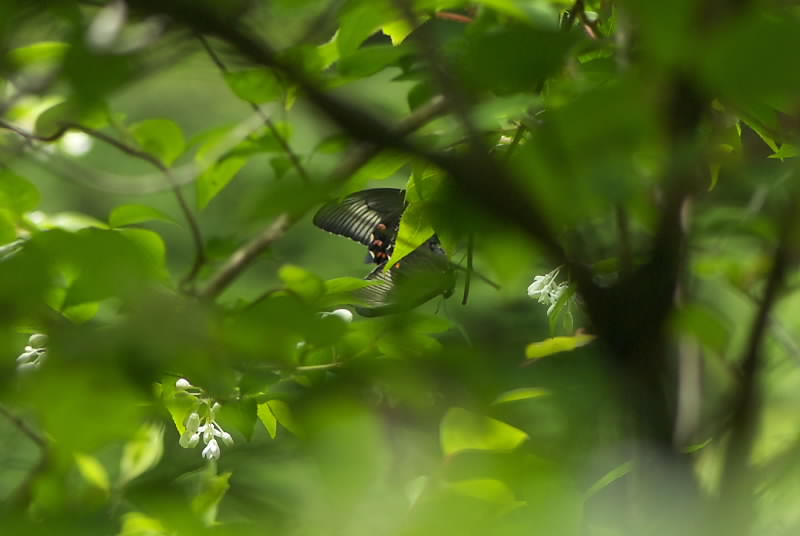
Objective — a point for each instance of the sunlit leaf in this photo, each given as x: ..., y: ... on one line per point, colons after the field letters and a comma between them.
x: 254, y: 85
x: 555, y: 345
x: 212, y: 181
x: 461, y: 430
x: 93, y: 471
x: 268, y: 419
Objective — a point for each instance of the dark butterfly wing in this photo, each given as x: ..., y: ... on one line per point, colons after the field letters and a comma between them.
x: 357, y: 215
x: 420, y: 276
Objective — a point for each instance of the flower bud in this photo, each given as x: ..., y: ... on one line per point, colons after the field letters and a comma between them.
x: 182, y: 384
x: 226, y: 438
x: 344, y: 314
x: 26, y: 357
x: 192, y: 422
x: 189, y: 439
x: 38, y: 340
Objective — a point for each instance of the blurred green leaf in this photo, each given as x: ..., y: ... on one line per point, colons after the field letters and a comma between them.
x: 206, y: 502
x: 267, y: 418
x: 213, y: 180
x: 254, y: 85
x: 51, y: 121
x: 93, y: 471
x: 302, y: 282
x: 523, y: 393
x: 42, y: 52
x: 555, y: 345
x: 142, y: 453
x: 133, y: 214
x: 17, y: 194
x: 162, y: 138
x: 461, y: 430
x: 283, y: 415
x: 493, y: 491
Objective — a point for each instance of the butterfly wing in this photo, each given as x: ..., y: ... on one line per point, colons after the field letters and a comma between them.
x: 420, y: 276
x: 357, y: 215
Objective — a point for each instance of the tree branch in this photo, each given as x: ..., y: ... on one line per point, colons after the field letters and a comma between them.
x: 194, y: 227
x: 301, y: 170
x: 23, y: 427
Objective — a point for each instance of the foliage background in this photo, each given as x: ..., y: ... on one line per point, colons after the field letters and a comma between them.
x: 646, y: 149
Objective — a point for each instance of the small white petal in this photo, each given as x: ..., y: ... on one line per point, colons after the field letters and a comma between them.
x: 227, y: 438
x: 107, y: 24
x: 211, y: 452
x: 215, y: 408
x: 27, y: 367
x: 182, y: 384
x: 27, y: 356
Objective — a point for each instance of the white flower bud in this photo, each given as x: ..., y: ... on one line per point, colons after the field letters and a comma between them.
x: 344, y: 314
x: 208, y: 434
x: 215, y: 408
x: 211, y: 452
x: 182, y: 384
x: 189, y: 440
x: 192, y: 422
x: 27, y: 367
x: 226, y: 438
x: 38, y: 340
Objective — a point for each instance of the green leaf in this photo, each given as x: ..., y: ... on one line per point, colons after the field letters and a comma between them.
x: 212, y: 491
x: 133, y: 214
x: 213, y: 180
x: 93, y: 115
x: 42, y: 52
x: 787, y: 150
x: 254, y: 85
x: 268, y: 419
x: 93, y: 471
x: 398, y: 31
x: 489, y: 490
x: 523, y: 393
x: 555, y: 345
x: 461, y: 430
x: 138, y: 524
x: 142, y: 453
x: 283, y: 414
x: 415, y: 229
x: 302, y: 282
x: 8, y: 231
x: 161, y: 138
x: 369, y: 60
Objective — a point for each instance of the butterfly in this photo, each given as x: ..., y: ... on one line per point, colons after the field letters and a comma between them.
x: 372, y: 218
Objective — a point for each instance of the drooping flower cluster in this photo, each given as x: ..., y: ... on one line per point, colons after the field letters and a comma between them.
x: 35, y: 353
x: 201, y: 424
x: 546, y: 290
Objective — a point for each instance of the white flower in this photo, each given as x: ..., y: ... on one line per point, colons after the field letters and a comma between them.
x: 182, y: 384
x: 211, y: 452
x: 344, y: 314
x: 226, y: 438
x: 546, y: 290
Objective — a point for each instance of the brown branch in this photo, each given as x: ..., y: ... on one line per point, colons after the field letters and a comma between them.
x: 747, y: 402
x: 578, y: 11
x: 194, y: 227
x: 457, y: 17
x: 245, y: 255
x: 283, y: 142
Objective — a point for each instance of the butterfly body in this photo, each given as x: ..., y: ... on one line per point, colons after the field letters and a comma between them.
x: 372, y: 217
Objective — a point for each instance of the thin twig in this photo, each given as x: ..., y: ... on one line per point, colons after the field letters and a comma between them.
x: 457, y: 17
x: 283, y: 142
x: 24, y: 427
x: 747, y: 403
x: 468, y: 276
x: 242, y: 257
x: 194, y: 227
x: 578, y: 11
